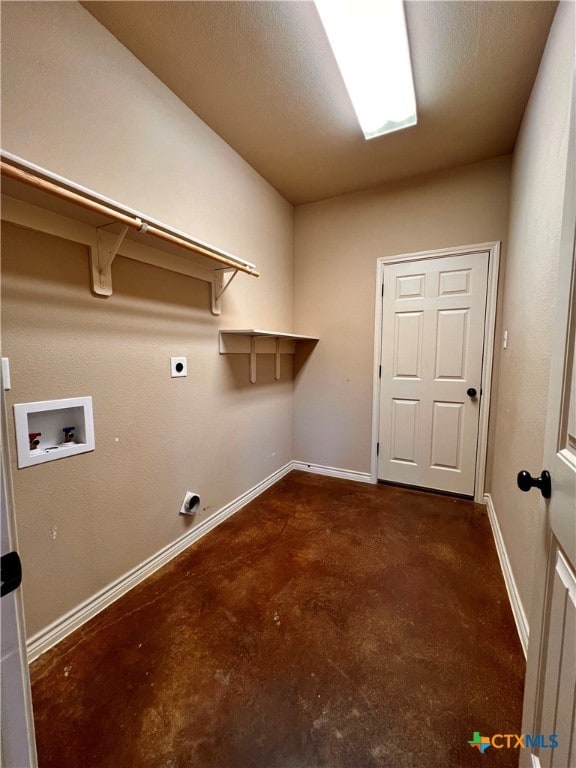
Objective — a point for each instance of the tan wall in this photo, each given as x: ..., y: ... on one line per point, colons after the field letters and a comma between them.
x: 538, y: 176
x: 337, y: 243
x: 75, y: 101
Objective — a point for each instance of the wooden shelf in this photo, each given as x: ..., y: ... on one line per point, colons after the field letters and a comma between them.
x: 256, y: 332
x: 253, y: 341
x: 38, y: 199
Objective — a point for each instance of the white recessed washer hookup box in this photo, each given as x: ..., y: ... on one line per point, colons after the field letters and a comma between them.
x: 53, y: 429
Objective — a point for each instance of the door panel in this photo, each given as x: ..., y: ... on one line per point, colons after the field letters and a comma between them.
x: 562, y: 514
x: 451, y: 344
x: 456, y: 281
x: 550, y: 693
x: 410, y: 287
x: 560, y: 671
x: 433, y: 315
x: 447, y: 435
x: 404, y: 431
x: 408, y: 345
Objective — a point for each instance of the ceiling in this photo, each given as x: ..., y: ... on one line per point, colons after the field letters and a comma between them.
x: 262, y: 75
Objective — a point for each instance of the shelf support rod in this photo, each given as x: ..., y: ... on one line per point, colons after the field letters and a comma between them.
x: 219, y: 286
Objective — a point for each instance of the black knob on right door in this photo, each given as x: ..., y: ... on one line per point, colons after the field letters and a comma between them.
x: 471, y: 392
x: 525, y: 482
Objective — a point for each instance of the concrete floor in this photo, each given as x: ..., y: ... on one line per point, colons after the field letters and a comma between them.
x: 329, y: 623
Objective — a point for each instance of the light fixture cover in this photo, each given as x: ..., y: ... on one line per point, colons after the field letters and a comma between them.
x: 370, y: 43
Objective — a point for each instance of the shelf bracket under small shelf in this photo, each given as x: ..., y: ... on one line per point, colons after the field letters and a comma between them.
x: 253, y: 342
x: 277, y: 361
x: 253, y: 359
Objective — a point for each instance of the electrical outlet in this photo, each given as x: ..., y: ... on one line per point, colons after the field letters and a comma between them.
x: 178, y: 367
x: 191, y: 503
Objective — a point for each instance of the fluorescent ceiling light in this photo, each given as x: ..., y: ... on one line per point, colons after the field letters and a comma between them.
x: 370, y: 43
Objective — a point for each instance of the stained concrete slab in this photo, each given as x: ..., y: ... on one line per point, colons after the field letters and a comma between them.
x: 328, y: 624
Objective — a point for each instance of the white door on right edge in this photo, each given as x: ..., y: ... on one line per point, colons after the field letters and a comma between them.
x: 550, y: 692
x: 433, y: 314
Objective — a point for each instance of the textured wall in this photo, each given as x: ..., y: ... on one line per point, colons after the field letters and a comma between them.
x: 337, y: 243
x: 77, y: 102
x: 538, y: 176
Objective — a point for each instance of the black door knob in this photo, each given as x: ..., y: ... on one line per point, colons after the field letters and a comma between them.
x: 10, y: 573
x: 471, y: 392
x: 544, y: 482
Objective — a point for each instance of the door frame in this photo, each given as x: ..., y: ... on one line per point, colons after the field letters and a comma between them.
x: 493, y: 249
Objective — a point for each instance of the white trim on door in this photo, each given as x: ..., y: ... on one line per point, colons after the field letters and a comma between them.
x: 493, y: 249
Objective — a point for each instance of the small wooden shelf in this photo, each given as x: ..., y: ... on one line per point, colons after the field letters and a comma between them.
x: 253, y: 341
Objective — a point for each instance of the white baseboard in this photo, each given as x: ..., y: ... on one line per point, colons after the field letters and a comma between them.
x: 59, y: 629
x: 345, y: 474
x: 513, y: 594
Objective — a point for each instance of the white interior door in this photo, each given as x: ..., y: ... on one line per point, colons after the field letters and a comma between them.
x: 433, y: 317
x: 17, y: 748
x: 550, y: 694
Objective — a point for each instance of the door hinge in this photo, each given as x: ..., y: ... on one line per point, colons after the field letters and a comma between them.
x: 377, y: 449
x: 379, y: 371
x: 382, y: 290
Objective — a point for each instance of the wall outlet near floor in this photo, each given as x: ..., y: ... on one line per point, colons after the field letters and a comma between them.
x: 178, y: 367
x: 191, y: 503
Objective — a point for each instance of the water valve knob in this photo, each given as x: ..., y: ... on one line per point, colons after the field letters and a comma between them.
x: 68, y: 434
